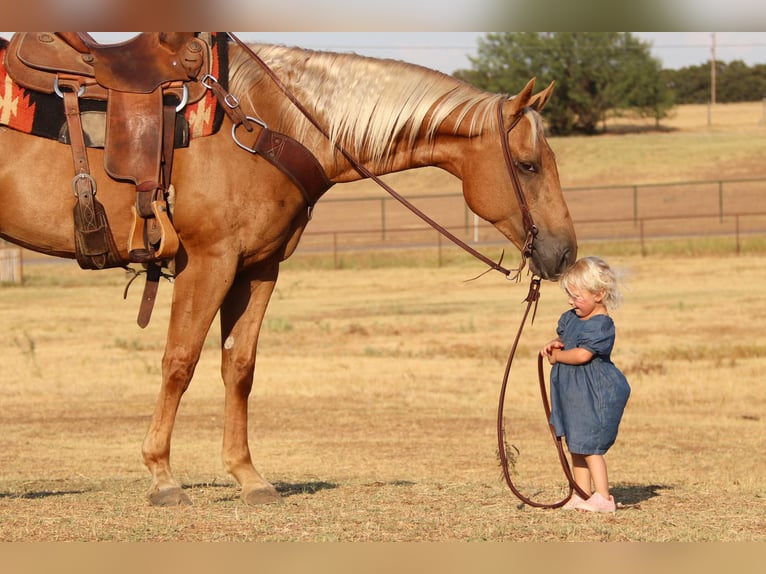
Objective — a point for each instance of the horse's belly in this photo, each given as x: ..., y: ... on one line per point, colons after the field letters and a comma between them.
x: 36, y: 197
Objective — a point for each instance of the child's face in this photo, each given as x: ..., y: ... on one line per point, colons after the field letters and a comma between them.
x: 585, y: 303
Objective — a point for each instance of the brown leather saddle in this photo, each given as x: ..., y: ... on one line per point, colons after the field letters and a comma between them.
x: 144, y: 82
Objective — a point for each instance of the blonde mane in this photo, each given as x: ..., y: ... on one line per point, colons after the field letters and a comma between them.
x: 367, y: 105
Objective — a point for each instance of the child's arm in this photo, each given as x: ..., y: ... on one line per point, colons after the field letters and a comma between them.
x: 576, y: 356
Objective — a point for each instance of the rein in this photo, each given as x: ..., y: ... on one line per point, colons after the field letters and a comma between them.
x: 533, y: 297
x: 529, y: 225
x: 231, y: 105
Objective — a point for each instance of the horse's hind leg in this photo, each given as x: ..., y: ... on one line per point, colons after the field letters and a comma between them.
x: 196, y: 297
x: 241, y: 318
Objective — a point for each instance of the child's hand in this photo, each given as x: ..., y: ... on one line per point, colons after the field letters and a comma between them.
x: 547, y: 350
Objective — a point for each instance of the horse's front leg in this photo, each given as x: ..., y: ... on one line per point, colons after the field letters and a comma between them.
x: 198, y: 292
x: 242, y: 314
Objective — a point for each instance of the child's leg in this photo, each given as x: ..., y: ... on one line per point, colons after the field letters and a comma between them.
x: 581, y: 472
x: 596, y: 464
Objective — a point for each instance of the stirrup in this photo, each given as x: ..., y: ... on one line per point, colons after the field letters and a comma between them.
x: 168, y: 237
x: 167, y: 247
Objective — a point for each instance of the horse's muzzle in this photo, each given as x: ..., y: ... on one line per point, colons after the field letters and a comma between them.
x: 551, y: 263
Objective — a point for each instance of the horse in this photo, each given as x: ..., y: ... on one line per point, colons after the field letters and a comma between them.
x: 237, y: 217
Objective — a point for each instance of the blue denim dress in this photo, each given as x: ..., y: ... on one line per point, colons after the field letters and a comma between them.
x: 587, y: 401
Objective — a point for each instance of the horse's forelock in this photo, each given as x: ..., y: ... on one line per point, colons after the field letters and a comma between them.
x: 366, y: 104
x: 536, y: 123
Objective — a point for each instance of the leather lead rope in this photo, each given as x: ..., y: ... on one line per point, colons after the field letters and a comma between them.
x: 533, y: 297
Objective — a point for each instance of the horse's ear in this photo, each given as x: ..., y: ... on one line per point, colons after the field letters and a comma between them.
x: 538, y: 101
x: 520, y: 100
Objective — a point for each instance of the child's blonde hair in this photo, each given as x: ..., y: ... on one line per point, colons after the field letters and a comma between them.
x: 593, y: 274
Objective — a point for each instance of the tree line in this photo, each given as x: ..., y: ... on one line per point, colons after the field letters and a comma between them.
x: 601, y: 75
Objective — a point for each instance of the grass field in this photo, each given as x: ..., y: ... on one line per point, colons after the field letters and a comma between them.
x: 374, y: 410
x: 376, y: 393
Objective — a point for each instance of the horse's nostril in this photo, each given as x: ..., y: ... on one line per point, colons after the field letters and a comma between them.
x: 565, y: 260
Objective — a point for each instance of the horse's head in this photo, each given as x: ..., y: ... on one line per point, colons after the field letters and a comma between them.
x: 489, y: 190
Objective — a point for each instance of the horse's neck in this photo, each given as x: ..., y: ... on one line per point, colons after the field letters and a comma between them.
x: 389, y: 116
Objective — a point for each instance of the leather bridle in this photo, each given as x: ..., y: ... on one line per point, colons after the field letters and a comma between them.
x: 510, y: 164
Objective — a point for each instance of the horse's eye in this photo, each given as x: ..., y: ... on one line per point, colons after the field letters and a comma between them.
x: 527, y: 167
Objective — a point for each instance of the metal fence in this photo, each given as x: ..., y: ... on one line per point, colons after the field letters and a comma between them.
x: 735, y: 208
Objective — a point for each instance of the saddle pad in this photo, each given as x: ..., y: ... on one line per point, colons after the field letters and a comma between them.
x: 43, y: 114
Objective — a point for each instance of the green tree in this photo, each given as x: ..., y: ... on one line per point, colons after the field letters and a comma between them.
x: 691, y: 84
x: 595, y: 73
x: 735, y: 82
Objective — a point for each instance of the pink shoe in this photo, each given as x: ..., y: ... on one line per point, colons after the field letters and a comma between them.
x: 573, y: 502
x: 598, y: 503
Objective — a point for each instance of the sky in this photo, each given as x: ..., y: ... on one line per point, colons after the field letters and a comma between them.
x: 449, y: 51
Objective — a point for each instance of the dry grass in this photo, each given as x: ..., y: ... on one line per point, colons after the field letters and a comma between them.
x: 689, y: 149
x: 374, y: 410
x: 376, y: 392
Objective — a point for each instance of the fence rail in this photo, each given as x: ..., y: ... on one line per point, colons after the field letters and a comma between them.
x: 640, y: 212
x: 735, y: 208
x: 642, y: 230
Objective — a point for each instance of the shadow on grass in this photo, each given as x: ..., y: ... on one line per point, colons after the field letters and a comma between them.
x: 41, y: 494
x: 631, y: 494
x: 290, y: 489
x: 285, y: 489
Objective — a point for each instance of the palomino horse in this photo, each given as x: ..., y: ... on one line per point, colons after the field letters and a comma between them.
x: 237, y: 216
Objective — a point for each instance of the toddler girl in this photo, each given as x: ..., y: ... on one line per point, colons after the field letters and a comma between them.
x: 588, y: 392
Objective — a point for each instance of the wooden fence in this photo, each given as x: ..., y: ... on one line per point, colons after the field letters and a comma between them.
x: 11, y: 267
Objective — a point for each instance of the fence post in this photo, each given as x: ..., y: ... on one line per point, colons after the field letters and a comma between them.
x: 335, y: 262
x: 641, y: 231
x: 467, y: 218
x: 720, y: 200
x: 11, y: 268
x: 383, y: 219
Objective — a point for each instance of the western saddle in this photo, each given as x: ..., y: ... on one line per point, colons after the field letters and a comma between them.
x: 144, y: 82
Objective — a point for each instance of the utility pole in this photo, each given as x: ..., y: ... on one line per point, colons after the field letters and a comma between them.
x: 712, y: 82
x: 712, y: 70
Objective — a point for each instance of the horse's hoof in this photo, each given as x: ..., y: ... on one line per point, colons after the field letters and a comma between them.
x: 261, y: 495
x: 174, y: 496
